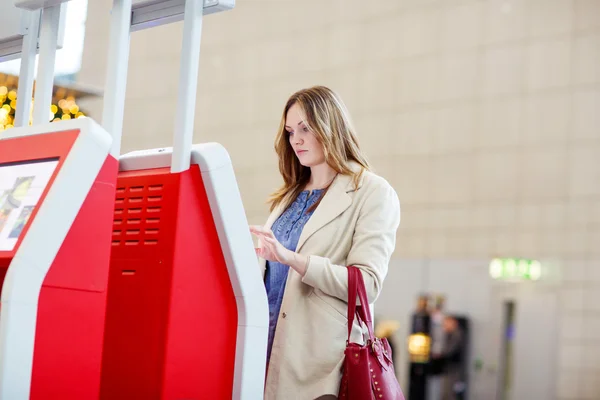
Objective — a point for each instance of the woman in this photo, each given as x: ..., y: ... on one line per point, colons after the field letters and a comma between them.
x: 330, y: 212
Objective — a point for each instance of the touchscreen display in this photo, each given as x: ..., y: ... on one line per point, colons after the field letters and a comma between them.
x: 21, y: 187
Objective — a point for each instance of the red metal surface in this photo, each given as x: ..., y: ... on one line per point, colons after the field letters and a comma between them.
x: 171, y: 317
x: 71, y: 310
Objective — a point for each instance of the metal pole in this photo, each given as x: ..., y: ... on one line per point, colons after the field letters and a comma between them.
x: 27, y: 72
x: 45, y: 76
x: 116, y: 77
x: 188, y: 86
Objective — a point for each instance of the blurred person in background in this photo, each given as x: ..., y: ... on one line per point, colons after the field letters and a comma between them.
x: 438, y: 338
x: 330, y: 212
x: 452, y: 355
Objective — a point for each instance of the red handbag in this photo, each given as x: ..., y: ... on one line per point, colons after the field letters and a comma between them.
x: 368, y: 371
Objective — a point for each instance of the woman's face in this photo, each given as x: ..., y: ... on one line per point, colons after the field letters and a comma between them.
x: 304, y: 142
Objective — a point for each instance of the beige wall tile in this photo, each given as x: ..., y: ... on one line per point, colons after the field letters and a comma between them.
x: 411, y: 179
x: 590, y: 386
x: 346, y: 45
x: 528, y: 216
x: 591, y: 298
x: 570, y: 355
x: 504, y: 21
x: 457, y: 244
x: 415, y: 218
x: 461, y: 26
x: 586, y: 118
x: 378, y: 83
x: 499, y: 123
x: 503, y: 70
x: 458, y: 218
x: 482, y: 216
x: 591, y: 327
x: 458, y: 77
x: 546, y: 119
x: 527, y: 243
x: 568, y: 386
x: 419, y: 32
x: 504, y: 243
x: 553, y: 214
x: 411, y: 245
x: 543, y: 173
x: 418, y: 81
x: 375, y: 133
x: 451, y: 179
x: 437, y: 245
x: 541, y: 55
x: 593, y: 240
x: 571, y: 299
x: 496, y: 176
x: 481, y: 244
x: 574, y: 271
x: 595, y: 213
x: 584, y: 177
x: 571, y: 330
x: 343, y: 81
x: 552, y: 242
x: 505, y: 215
x: 550, y: 17
x: 586, y: 59
x: 578, y: 213
x: 381, y: 38
x: 413, y: 132
x: 454, y: 129
x: 576, y: 242
x: 586, y: 14
x: 591, y: 359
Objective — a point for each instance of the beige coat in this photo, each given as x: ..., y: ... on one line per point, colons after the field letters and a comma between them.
x: 349, y: 227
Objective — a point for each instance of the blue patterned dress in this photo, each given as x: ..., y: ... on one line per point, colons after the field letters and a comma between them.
x: 287, y: 229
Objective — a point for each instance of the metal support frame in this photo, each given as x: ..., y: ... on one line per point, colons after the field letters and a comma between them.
x: 45, y: 78
x: 27, y: 72
x: 116, y: 76
x: 188, y: 86
x: 153, y: 13
x: 145, y: 15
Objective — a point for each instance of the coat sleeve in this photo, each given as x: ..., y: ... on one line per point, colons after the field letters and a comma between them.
x: 373, y: 243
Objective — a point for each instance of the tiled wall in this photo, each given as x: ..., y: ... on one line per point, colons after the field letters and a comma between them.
x: 484, y: 115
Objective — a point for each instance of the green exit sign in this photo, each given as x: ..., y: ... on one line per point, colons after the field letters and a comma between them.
x: 515, y: 269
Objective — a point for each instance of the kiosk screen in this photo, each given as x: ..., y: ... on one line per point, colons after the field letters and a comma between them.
x: 21, y: 187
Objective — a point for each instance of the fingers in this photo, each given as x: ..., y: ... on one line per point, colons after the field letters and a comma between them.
x: 261, y: 231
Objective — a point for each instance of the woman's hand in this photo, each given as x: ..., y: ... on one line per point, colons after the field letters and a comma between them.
x: 272, y: 250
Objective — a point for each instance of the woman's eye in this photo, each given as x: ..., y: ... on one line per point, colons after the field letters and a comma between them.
x: 305, y: 129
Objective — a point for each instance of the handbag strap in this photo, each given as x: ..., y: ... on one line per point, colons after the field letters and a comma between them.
x: 364, y: 309
x: 356, y: 286
x: 352, y: 291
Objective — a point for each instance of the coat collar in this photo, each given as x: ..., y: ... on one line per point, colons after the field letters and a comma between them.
x: 341, y: 185
x: 336, y: 201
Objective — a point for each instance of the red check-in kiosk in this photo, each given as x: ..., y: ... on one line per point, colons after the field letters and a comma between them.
x: 134, y: 279
x: 57, y: 183
x: 186, y: 315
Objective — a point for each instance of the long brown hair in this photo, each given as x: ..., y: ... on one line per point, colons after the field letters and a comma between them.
x: 328, y: 119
